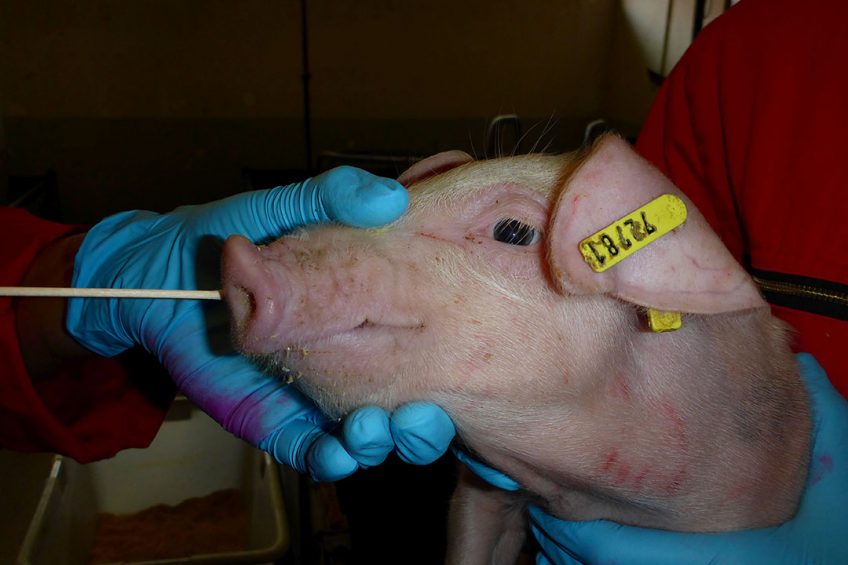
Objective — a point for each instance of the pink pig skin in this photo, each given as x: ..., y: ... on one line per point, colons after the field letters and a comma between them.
x: 548, y: 371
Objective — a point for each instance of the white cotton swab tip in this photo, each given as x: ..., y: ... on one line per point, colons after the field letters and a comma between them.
x: 66, y: 292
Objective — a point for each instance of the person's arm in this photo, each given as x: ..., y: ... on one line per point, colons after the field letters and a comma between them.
x: 80, y: 409
x: 46, y: 346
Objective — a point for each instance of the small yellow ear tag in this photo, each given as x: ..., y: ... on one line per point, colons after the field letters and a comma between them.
x: 660, y: 321
x: 626, y: 236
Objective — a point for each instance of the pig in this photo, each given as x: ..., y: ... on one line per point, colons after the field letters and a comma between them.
x: 479, y: 300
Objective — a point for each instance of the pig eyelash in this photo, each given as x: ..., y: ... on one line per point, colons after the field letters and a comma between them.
x: 515, y: 232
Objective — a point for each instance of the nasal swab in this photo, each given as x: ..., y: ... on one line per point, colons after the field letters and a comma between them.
x: 66, y: 292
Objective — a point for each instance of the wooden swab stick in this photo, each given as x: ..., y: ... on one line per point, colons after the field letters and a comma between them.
x: 65, y: 292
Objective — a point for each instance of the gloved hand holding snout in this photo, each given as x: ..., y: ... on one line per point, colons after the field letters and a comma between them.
x: 180, y: 250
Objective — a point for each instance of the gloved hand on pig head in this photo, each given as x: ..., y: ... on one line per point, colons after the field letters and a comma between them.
x: 181, y: 250
x: 816, y: 534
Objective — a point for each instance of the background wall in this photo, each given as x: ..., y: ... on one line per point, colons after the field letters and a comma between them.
x: 152, y: 104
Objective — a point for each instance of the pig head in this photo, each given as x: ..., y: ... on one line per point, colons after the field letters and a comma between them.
x: 479, y: 300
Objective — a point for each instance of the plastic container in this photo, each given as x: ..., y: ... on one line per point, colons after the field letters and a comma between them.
x: 191, y: 456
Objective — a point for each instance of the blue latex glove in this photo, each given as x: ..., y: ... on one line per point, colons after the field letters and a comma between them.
x: 488, y: 474
x: 181, y: 250
x: 817, y: 534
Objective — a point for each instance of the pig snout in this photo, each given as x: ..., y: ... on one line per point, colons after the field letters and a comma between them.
x: 293, y: 293
x: 255, y: 293
x: 247, y: 280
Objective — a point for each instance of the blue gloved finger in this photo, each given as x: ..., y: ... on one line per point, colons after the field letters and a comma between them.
x: 329, y: 461
x: 422, y: 432
x: 358, y: 198
x: 542, y: 560
x: 589, y: 542
x: 291, y: 444
x: 367, y: 436
x: 304, y: 446
x: 552, y: 553
x: 488, y: 474
x: 818, y: 386
x: 828, y: 467
x: 561, y: 559
x: 602, y: 541
x: 344, y: 194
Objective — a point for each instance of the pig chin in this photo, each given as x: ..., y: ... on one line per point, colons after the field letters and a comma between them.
x: 339, y: 379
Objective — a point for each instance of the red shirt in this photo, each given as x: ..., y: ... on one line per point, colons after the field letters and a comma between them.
x: 753, y: 125
x: 92, y: 409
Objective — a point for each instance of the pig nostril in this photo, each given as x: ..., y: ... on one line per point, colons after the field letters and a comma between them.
x: 242, y: 303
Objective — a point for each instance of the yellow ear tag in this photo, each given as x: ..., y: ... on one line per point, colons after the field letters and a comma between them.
x: 660, y: 321
x: 626, y: 236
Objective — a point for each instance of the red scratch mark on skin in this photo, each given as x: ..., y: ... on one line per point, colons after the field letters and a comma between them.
x: 566, y: 379
x: 575, y: 200
x: 639, y: 480
x: 613, y: 469
x: 436, y: 237
x: 617, y: 471
x: 430, y: 235
x: 620, y: 388
x: 609, y: 459
x: 678, y: 425
x: 675, y: 485
x: 621, y: 474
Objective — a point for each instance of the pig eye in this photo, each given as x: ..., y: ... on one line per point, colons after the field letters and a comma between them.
x: 514, y: 232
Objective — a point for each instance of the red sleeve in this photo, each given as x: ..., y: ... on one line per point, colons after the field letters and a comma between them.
x: 752, y: 124
x: 88, y: 411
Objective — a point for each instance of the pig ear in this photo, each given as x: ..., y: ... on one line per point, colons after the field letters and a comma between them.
x: 432, y: 166
x: 686, y: 270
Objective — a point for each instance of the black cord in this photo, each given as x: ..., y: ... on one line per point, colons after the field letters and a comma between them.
x: 700, y: 7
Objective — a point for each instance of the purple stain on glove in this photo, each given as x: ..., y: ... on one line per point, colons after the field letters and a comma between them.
x: 822, y: 467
